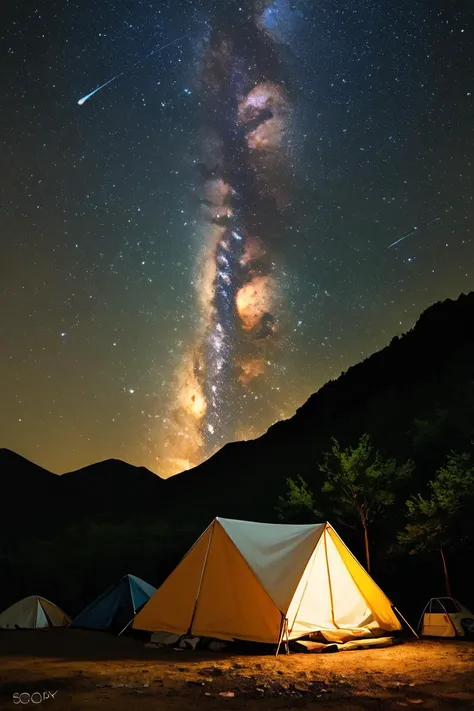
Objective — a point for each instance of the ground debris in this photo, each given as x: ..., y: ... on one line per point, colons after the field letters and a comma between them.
x: 299, y: 686
x: 211, y: 671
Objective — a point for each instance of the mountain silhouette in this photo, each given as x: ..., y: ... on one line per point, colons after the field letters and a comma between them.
x: 415, y: 397
x: 423, y: 377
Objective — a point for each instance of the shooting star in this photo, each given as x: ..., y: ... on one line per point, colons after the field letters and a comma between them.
x: 415, y: 229
x: 159, y: 49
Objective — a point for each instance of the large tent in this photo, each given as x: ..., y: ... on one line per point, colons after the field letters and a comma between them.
x: 116, y: 607
x: 267, y: 582
x: 33, y: 612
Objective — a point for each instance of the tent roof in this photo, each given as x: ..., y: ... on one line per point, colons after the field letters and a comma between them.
x: 141, y: 584
x: 33, y: 612
x: 122, y: 598
x: 277, y: 553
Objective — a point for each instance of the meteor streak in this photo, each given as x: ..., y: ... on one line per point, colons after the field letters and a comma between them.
x: 415, y: 229
x: 140, y: 61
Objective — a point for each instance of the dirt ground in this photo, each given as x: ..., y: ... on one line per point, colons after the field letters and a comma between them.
x: 95, y: 671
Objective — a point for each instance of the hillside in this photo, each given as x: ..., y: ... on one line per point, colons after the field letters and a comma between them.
x: 32, y: 494
x: 42, y: 502
x: 415, y: 397
x: 111, y: 489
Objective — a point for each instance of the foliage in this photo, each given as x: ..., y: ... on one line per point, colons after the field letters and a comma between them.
x: 360, y: 482
x: 444, y: 518
x: 298, y: 505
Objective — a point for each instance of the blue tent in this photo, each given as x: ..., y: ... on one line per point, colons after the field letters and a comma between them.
x: 115, y: 609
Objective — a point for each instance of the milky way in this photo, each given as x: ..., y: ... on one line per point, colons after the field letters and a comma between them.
x: 217, y: 233
x: 246, y: 110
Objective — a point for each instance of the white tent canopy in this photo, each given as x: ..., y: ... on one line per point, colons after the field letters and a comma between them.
x: 33, y: 612
x: 259, y: 581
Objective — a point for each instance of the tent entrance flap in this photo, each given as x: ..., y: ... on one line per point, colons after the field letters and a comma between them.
x: 331, y: 596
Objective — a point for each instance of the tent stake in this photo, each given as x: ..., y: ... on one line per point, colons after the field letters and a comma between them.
x: 406, y: 622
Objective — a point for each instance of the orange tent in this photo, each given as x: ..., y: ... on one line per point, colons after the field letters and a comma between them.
x: 264, y: 582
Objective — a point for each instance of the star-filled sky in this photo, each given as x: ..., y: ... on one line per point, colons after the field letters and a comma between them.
x: 236, y: 219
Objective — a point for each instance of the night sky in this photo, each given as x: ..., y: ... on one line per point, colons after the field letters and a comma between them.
x: 313, y: 134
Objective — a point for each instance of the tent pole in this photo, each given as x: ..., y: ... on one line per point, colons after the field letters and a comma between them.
x: 201, y: 579
x: 420, y: 625
x: 126, y: 626
x: 406, y: 622
x: 287, y: 645
x: 280, y: 636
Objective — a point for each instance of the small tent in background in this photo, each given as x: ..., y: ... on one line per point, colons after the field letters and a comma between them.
x: 267, y: 583
x: 446, y: 617
x: 31, y: 613
x: 114, y: 610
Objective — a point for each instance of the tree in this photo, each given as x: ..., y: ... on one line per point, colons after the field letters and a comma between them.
x: 443, y: 520
x: 361, y: 483
x: 298, y: 505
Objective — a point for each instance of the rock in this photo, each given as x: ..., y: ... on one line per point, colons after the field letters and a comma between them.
x: 213, y: 671
x: 415, y: 701
x: 300, y: 686
x: 227, y: 694
x: 194, y: 682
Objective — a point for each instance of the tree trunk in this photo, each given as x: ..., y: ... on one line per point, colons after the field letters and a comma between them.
x: 366, y: 542
x: 446, y: 576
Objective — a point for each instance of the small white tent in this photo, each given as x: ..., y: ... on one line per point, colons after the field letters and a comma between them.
x: 33, y: 612
x: 267, y: 582
x: 445, y: 617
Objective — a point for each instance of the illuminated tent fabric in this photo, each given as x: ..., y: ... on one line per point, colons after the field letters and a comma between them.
x: 33, y: 612
x: 258, y: 581
x: 116, y: 607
